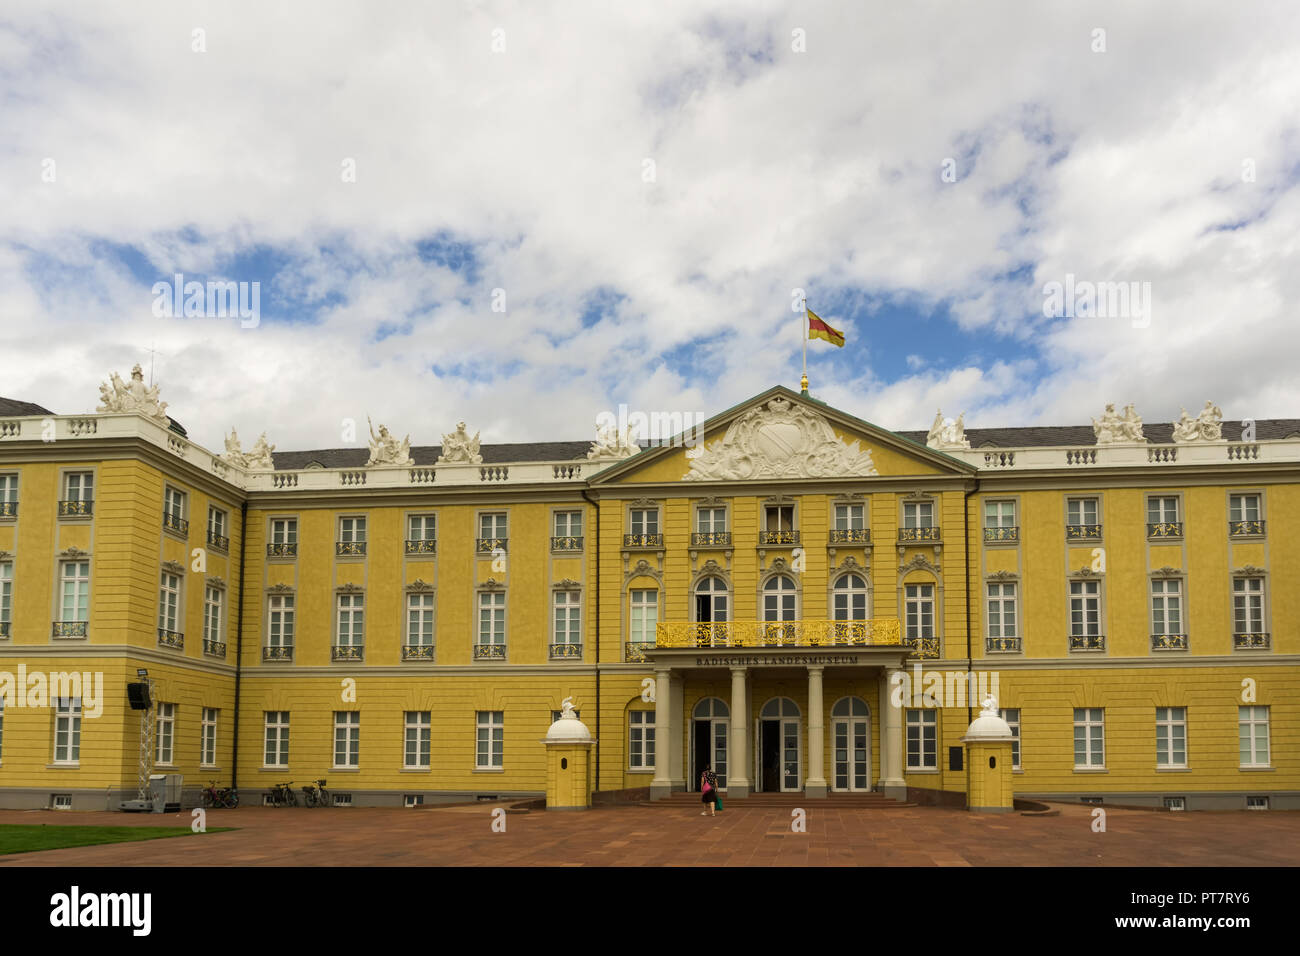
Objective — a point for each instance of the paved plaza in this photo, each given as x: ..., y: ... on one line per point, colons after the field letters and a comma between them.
x: 678, y: 836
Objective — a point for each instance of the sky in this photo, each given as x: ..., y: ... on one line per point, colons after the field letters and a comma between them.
x: 521, y: 215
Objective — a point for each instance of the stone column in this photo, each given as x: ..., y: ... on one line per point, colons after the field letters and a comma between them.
x: 661, y: 785
x: 892, y: 783
x: 738, y: 750
x: 815, y: 785
x: 677, y: 706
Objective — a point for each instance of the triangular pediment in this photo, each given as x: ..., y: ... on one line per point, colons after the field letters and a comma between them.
x: 782, y: 435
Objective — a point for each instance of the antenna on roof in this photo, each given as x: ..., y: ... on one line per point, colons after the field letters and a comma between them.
x: 152, y: 352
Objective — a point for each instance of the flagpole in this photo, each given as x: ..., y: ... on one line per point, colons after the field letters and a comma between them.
x: 803, y: 385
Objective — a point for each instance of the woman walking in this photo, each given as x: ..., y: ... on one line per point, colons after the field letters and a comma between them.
x: 709, y: 790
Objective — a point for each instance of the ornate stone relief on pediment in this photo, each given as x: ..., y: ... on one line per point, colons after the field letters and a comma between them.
x: 1250, y: 570
x: 280, y: 589
x: 1002, y: 576
x: 492, y: 584
x: 643, y: 503
x: 348, y: 589
x: 919, y: 562
x: 175, y: 567
x: 568, y: 584
x: 419, y: 586
x: 74, y: 552
x: 1167, y: 572
x: 1085, y: 572
x: 642, y: 568
x: 216, y: 582
x: 781, y: 439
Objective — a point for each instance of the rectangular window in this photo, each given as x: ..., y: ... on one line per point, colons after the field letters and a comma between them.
x: 347, y: 738
x: 214, y: 600
x: 922, y: 740
x: 568, y: 617
x: 492, y: 525
x: 779, y: 518
x: 279, y: 625
x: 1085, y: 609
x: 1252, y: 734
x: 6, y: 596
x: 216, y: 527
x: 919, y: 605
x: 710, y: 520
x: 1166, y: 607
x: 277, y: 738
x: 641, y: 739
x: 1243, y: 507
x: 422, y: 528
x: 849, y: 518
x: 1089, y: 737
x: 75, y: 591
x: 1162, y: 510
x: 645, y: 520
x: 644, y: 616
x: 492, y: 617
x: 418, y: 738
x: 352, y: 530
x: 999, y: 514
x: 491, y: 728
x: 174, y: 504
x: 165, y: 733
x: 1248, y: 605
x: 1081, y: 511
x: 284, y: 531
x: 79, y: 486
x: 419, y: 620
x: 208, y: 737
x: 169, y: 601
x: 8, y: 496
x: 568, y: 524
x: 918, y: 514
x: 1012, y: 716
x: 1002, y: 611
x: 351, y: 620
x: 1171, y: 737
x: 67, y: 730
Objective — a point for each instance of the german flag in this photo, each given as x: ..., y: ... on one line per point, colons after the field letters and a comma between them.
x: 817, y: 329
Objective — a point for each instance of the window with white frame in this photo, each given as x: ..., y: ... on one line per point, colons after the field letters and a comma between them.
x: 217, y: 527
x: 1248, y: 605
x: 1085, y: 609
x: 284, y: 532
x: 351, y: 620
x: 6, y: 596
x: 492, y: 525
x: 422, y: 528
x: 492, y: 617
x: 67, y: 730
x: 1012, y: 716
x: 208, y: 737
x: 999, y: 514
x: 164, y: 733
x: 1166, y: 606
x: 276, y: 751
x: 1252, y: 735
x: 710, y: 520
x: 214, y: 600
x: 75, y: 591
x: 1171, y: 737
x: 1089, y: 737
x: 922, y: 740
x: 568, y: 617
x: 352, y: 530
x: 418, y: 740
x: 1081, y: 511
x: 1162, y: 510
x: 8, y: 495
x: 780, y: 595
x: 711, y: 600
x: 568, y: 524
x: 918, y: 600
x: 169, y: 599
x: 643, y: 615
x: 1002, y: 610
x: 849, y: 598
x: 79, y: 486
x: 645, y: 521
x: 491, y: 727
x: 419, y: 619
x: 778, y: 518
x: 918, y: 514
x: 347, y: 738
x: 641, y: 740
x: 850, y: 517
x: 280, y: 620
x: 174, y: 503
x: 1243, y: 508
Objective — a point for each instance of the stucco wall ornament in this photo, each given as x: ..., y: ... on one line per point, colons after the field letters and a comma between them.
x: 780, y: 440
x: 1207, y: 426
x: 947, y: 435
x: 133, y: 396
x: 459, y: 447
x: 1115, y: 429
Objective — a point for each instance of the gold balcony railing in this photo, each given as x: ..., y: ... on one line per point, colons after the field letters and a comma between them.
x: 877, y: 631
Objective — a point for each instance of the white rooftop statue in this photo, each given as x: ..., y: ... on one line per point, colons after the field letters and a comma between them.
x: 133, y: 396
x: 385, y: 449
x: 1115, y: 429
x: 1207, y: 426
x: 990, y: 705
x: 946, y: 436
x: 259, y: 459
x: 568, y: 729
x: 609, y: 444
x: 459, y: 447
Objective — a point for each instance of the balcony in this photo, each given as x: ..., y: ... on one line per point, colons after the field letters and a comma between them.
x: 1168, y: 642
x: 421, y: 546
x: 849, y: 536
x: 1246, y: 529
x: 349, y: 549
x: 1252, y: 641
x: 8, y: 509
x: 69, y: 629
x: 348, y: 652
x: 1083, y: 532
x: 489, y: 545
x: 76, y: 509
x: 1087, y: 642
x: 566, y: 542
x: 875, y: 632
x: 778, y: 538
x: 417, y: 652
x: 569, y: 652
x: 919, y: 534
x: 992, y: 535
x: 218, y: 541
x: 284, y: 549
x: 634, y: 651
x: 643, y: 540
x: 214, y: 648
x: 172, y: 639
x: 489, y: 652
x: 175, y: 523
x: 1165, y: 529
x: 925, y: 647
x: 1002, y: 645
x: 711, y: 539
x: 283, y: 652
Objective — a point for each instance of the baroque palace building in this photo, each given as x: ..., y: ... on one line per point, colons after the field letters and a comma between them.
x: 807, y: 601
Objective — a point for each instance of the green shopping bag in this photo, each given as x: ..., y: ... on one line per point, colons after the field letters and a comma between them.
x: 719, y: 803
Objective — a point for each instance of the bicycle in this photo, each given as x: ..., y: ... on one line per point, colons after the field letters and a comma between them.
x: 226, y: 798
x: 282, y: 795
x: 315, y: 795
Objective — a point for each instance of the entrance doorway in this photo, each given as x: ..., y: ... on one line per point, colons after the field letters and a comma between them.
x: 709, y: 728
x: 851, y: 744
x: 777, y: 747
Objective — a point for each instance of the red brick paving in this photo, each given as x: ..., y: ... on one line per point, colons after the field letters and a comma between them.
x: 659, y: 836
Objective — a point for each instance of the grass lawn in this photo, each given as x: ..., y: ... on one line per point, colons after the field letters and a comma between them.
x: 22, y: 838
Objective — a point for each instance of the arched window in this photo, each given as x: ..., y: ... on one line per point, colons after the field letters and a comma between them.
x: 711, y: 600
x: 849, y: 598
x: 850, y: 707
x: 710, y: 707
x: 779, y: 598
x: 779, y: 707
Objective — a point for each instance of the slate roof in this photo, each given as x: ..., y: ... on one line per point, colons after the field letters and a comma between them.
x: 1156, y: 433
x: 11, y: 406
x: 512, y: 453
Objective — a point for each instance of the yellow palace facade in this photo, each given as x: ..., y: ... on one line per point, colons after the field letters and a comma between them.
x: 808, y: 602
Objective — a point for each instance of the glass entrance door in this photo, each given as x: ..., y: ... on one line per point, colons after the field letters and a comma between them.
x: 851, y: 736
